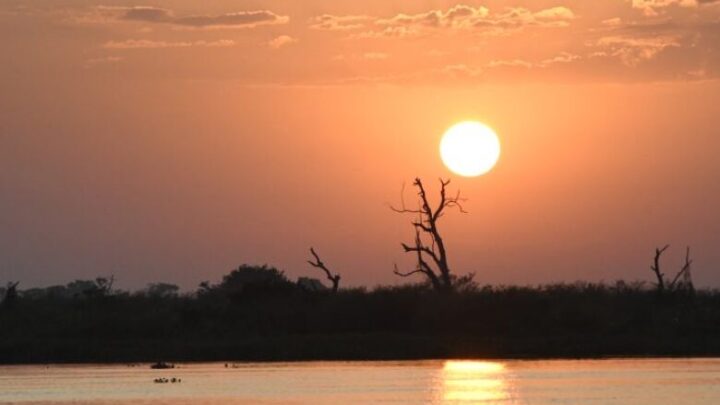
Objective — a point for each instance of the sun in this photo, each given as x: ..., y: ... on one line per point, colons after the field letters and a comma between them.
x: 470, y: 148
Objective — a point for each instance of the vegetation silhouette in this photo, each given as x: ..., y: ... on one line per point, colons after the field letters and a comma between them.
x: 334, y: 278
x: 10, y: 294
x: 682, y: 279
x: 432, y: 259
x: 257, y: 313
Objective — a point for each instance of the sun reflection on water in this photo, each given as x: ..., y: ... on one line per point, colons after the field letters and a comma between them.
x: 474, y: 381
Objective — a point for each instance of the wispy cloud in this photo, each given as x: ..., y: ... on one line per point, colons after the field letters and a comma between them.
x: 157, y: 15
x: 563, y: 57
x: 105, y: 60
x: 464, y: 17
x: 654, y: 7
x: 339, y: 22
x: 281, y: 41
x: 148, y: 44
x: 634, y: 50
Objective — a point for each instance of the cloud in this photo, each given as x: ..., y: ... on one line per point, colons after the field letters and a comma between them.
x: 144, y: 13
x: 331, y: 22
x: 388, y: 32
x: 551, y: 17
x: 500, y: 68
x: 612, y: 22
x: 105, y: 60
x: 460, y: 16
x: 157, y: 15
x: 654, y: 7
x: 461, y: 71
x: 282, y: 40
x: 370, y: 56
x: 463, y: 17
x: 634, y: 50
x: 148, y: 44
x: 239, y: 19
x: 562, y: 57
x: 509, y: 63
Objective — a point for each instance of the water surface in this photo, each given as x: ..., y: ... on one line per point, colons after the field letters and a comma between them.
x: 626, y: 381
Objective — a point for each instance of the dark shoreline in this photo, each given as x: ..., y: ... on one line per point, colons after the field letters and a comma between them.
x: 279, y: 321
x: 341, y: 348
x: 180, y: 364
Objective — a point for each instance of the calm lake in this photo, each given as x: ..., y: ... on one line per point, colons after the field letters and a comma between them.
x: 626, y: 381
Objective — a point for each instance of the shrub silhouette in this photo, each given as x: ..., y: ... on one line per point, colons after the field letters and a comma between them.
x: 256, y: 313
x: 247, y: 282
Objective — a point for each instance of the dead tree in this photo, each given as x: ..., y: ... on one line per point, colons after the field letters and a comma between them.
x: 682, y: 279
x: 334, y: 279
x: 432, y: 261
x: 656, y: 268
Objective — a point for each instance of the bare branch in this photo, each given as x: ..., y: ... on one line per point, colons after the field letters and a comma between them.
x: 684, y: 270
x: 403, y: 209
x: 407, y: 274
x: 420, y: 248
x: 422, y: 226
x: 335, y: 279
x: 656, y: 268
x: 434, y: 255
x: 456, y: 202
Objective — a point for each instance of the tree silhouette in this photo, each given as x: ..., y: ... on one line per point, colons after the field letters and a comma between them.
x: 432, y: 261
x: 162, y: 290
x: 682, y: 279
x: 248, y: 281
x: 656, y: 268
x: 11, y: 295
x: 334, y: 279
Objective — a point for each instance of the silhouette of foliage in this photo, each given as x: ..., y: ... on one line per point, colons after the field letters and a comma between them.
x: 248, y: 282
x: 10, y: 294
x: 162, y: 290
x: 256, y: 313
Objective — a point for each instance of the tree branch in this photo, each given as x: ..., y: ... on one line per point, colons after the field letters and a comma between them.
x: 684, y: 270
x: 335, y: 279
x: 407, y: 274
x: 441, y: 276
x: 656, y: 267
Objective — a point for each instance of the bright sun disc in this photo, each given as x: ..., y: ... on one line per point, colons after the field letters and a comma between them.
x: 470, y: 148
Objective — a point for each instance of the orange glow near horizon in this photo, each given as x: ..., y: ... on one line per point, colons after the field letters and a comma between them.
x: 174, y: 140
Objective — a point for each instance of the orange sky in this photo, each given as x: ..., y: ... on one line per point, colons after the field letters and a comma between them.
x: 173, y: 140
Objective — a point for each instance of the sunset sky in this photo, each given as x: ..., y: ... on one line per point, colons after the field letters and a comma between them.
x: 175, y: 140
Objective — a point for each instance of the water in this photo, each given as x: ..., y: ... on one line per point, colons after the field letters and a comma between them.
x: 627, y: 381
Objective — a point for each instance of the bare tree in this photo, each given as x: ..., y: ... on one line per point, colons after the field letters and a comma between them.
x: 656, y: 268
x: 682, y: 279
x: 432, y: 261
x: 334, y: 279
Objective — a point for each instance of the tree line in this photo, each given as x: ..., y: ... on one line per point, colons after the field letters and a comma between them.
x: 258, y: 313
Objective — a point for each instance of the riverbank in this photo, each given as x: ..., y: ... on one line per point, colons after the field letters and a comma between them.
x: 348, y: 347
x: 281, y: 322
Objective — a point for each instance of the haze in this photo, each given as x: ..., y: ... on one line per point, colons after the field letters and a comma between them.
x: 174, y: 140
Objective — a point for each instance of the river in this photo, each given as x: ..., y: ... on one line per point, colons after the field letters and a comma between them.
x: 615, y: 381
